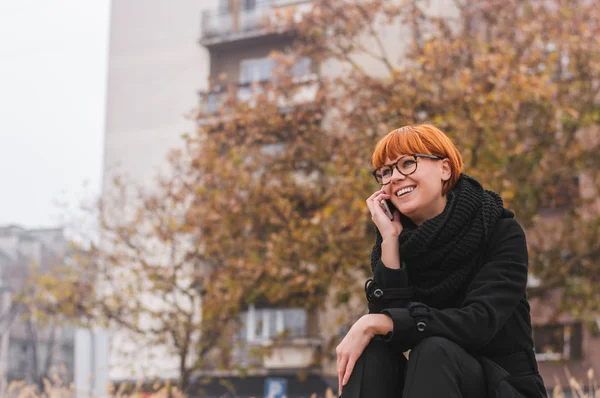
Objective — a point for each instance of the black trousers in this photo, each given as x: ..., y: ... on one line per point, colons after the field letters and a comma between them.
x: 436, y: 367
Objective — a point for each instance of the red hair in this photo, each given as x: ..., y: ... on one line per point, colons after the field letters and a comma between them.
x: 422, y: 138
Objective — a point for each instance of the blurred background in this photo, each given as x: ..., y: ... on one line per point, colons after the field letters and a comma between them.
x: 184, y: 182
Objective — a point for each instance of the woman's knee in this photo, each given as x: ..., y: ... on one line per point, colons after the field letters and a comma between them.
x: 378, y: 372
x: 378, y: 355
x: 435, y: 348
x: 377, y: 346
x: 453, y: 367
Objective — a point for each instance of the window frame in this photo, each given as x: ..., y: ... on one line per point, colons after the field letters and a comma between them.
x: 571, y: 343
x: 268, y: 323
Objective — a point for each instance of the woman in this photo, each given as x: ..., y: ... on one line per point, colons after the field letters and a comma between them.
x: 449, y: 280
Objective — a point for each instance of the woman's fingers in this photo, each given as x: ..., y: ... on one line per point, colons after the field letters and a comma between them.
x: 375, y: 196
x: 345, y: 367
x: 349, y: 351
x: 341, y: 368
x: 374, y: 201
x: 349, y: 368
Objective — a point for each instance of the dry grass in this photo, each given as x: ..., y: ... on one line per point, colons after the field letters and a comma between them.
x: 23, y: 390
x: 57, y: 390
x: 578, y: 388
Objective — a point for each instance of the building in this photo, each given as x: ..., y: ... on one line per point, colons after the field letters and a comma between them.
x: 64, y: 351
x: 27, y: 350
x: 155, y: 68
x: 239, y: 47
x: 565, y: 345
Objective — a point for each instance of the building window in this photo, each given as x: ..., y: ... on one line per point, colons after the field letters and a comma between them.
x: 213, y: 102
x: 17, y: 357
x: 247, y: 5
x: 261, y: 69
x: 302, y: 67
x: 261, y: 324
x: 558, y: 342
x: 256, y: 70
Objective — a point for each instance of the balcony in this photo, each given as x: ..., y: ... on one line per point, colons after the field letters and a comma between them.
x: 294, y: 353
x: 213, y: 100
x: 276, y: 338
x: 224, y: 26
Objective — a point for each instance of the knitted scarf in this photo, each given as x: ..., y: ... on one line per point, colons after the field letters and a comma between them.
x: 442, y: 253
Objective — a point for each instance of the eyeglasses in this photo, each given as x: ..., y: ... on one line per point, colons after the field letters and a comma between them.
x: 406, y: 166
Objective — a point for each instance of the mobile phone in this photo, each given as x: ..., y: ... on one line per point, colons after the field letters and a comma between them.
x: 387, y: 210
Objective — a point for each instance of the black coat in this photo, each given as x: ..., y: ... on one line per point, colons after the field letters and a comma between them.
x: 489, y: 318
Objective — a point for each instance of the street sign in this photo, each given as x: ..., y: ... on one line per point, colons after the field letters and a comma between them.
x: 275, y: 388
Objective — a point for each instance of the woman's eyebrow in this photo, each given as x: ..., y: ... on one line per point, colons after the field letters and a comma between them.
x: 397, y: 160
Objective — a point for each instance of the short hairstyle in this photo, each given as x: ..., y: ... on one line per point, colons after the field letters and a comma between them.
x: 422, y: 138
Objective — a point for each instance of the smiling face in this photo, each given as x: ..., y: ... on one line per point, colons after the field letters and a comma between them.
x: 421, y: 195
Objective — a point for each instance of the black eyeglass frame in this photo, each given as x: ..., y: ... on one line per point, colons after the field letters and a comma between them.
x: 395, y: 165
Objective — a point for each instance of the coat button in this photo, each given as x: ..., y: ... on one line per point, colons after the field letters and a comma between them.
x: 378, y: 293
x: 421, y: 326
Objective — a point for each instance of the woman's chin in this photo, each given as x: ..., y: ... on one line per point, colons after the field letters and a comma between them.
x: 407, y: 211
x: 405, y: 208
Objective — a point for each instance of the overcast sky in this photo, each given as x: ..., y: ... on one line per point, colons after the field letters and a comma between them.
x: 53, y: 69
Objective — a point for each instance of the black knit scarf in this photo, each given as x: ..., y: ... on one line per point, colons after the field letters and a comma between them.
x: 443, y: 252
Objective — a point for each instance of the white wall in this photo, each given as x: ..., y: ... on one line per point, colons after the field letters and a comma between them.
x: 156, y: 68
x: 91, y: 362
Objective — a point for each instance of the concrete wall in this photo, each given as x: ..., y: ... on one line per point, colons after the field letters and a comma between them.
x: 156, y: 68
x: 91, y: 362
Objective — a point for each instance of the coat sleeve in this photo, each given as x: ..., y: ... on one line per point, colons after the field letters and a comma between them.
x: 490, y: 300
x: 389, y: 288
x: 390, y: 278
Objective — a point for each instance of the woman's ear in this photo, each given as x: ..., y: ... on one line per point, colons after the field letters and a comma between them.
x: 446, y: 170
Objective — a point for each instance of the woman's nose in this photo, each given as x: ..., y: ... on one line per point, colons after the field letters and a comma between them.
x: 396, y: 175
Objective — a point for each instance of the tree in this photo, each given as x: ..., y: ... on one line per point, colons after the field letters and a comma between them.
x: 39, y: 336
x: 515, y: 86
x: 513, y: 83
x: 246, y: 214
x: 143, y: 277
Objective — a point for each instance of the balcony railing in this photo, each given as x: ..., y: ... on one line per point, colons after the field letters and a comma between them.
x: 224, y: 25
x: 296, y: 353
x: 212, y: 101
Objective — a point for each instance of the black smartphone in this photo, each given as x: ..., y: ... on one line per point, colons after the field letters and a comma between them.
x: 388, y: 210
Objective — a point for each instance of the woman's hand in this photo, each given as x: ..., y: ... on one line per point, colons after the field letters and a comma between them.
x: 357, y: 339
x: 351, y: 348
x: 387, y: 228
